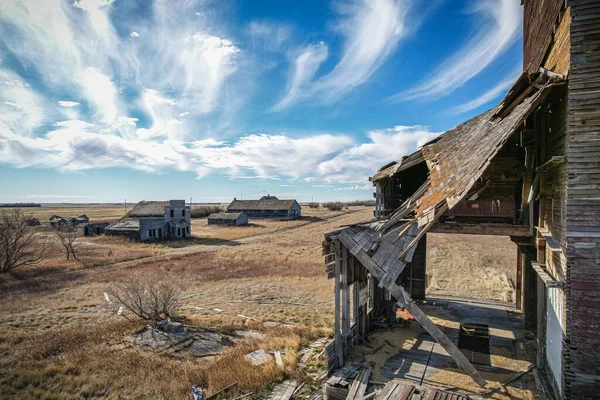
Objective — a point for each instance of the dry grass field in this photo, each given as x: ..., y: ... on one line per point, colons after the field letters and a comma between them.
x: 59, y: 340
x: 96, y: 212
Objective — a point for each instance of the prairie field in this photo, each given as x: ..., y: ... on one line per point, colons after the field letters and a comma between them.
x: 262, y: 286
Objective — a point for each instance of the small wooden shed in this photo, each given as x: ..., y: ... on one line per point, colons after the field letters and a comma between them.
x: 228, y: 218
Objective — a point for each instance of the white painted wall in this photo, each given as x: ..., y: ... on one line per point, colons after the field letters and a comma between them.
x: 554, y: 332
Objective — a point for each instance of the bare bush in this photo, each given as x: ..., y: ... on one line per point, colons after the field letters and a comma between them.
x: 334, y: 206
x: 19, y: 245
x: 205, y: 211
x: 68, y: 235
x: 313, y: 205
x: 148, y: 297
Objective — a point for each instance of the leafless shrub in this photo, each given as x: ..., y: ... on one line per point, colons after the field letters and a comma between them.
x: 204, y: 211
x: 313, y: 205
x: 365, y: 203
x: 19, y: 245
x: 147, y: 296
x: 68, y: 235
x: 334, y: 206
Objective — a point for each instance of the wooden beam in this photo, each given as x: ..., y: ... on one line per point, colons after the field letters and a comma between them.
x: 345, y: 300
x: 414, y: 242
x: 519, y: 284
x: 359, y: 386
x: 404, y: 300
x: 445, y: 342
x: 338, y: 339
x: 482, y: 229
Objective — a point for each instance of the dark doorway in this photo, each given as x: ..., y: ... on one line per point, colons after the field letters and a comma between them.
x: 474, y: 342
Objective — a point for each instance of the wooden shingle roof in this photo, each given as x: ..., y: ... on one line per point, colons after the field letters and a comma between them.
x: 262, y: 205
x: 148, y: 209
x: 225, y: 215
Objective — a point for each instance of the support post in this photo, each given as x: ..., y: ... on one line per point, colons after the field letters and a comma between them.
x: 345, y: 300
x: 337, y: 338
x: 519, y: 283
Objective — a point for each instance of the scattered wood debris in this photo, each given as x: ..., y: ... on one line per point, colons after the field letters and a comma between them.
x: 258, y: 357
x: 284, y: 390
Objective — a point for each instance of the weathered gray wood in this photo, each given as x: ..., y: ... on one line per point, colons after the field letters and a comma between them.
x: 404, y: 300
x: 284, y: 390
x: 359, y: 386
x: 337, y: 336
x: 345, y: 300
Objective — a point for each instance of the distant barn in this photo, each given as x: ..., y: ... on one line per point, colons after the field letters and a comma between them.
x: 57, y: 221
x: 267, y: 207
x: 228, y: 218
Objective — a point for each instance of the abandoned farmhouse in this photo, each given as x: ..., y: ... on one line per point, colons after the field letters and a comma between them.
x: 527, y: 169
x: 154, y: 220
x: 267, y: 207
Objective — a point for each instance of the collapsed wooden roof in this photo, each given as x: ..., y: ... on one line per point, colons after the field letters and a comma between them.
x: 456, y: 160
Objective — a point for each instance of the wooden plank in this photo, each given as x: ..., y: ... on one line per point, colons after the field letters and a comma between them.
x: 404, y: 300
x: 345, y: 300
x: 444, y: 341
x: 414, y: 242
x: 359, y: 386
x: 482, y: 229
x: 284, y: 390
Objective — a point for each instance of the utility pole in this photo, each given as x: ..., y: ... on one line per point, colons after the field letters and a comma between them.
x: 125, y: 206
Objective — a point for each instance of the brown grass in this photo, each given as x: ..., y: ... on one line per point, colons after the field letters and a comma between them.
x: 58, y: 340
x: 96, y: 213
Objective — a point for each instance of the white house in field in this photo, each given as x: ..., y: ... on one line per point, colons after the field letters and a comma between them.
x: 154, y: 220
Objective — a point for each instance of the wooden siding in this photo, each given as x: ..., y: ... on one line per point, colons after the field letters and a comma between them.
x: 558, y: 58
x: 539, y: 21
x: 582, y: 364
x: 551, y: 125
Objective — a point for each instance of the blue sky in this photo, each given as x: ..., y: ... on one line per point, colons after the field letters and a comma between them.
x: 102, y: 100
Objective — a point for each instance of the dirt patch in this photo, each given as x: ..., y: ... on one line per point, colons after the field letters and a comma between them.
x: 472, y: 266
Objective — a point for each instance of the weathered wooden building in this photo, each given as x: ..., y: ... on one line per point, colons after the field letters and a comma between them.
x: 267, y: 207
x: 154, y: 220
x: 56, y: 220
x: 93, y: 229
x: 529, y: 169
x: 228, y: 218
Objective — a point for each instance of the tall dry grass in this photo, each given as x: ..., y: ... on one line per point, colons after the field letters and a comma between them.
x: 205, y: 211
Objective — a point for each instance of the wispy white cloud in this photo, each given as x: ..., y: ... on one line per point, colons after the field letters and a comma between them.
x: 77, y: 145
x: 92, y: 5
x: 21, y: 108
x: 372, y: 30
x: 497, y: 28
x: 268, y: 35
x: 101, y: 92
x: 186, y: 57
x: 65, y: 103
x: 357, y: 163
x: 305, y: 67
x: 366, y: 186
x: 490, y: 95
